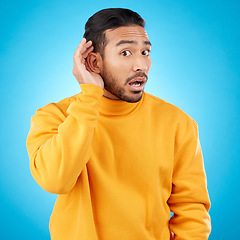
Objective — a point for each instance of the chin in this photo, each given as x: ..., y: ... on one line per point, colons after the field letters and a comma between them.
x: 132, y: 99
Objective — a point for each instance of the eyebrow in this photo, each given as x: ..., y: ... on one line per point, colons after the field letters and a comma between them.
x: 147, y: 43
x: 131, y: 42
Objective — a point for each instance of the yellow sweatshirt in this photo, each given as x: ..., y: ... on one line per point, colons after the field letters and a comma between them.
x: 119, y: 169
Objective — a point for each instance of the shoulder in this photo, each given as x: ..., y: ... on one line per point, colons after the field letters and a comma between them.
x: 167, y: 112
x: 57, y: 109
x: 162, y: 107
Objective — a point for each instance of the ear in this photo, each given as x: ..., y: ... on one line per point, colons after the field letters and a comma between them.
x: 94, y: 62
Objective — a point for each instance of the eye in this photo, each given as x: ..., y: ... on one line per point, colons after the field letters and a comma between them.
x: 146, y: 52
x: 126, y: 53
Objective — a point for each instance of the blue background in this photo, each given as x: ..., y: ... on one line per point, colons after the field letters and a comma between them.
x: 195, y: 66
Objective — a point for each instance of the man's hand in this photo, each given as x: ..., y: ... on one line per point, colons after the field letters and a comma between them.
x: 81, y: 71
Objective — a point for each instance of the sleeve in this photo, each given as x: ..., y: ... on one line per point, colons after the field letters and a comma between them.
x: 189, y: 200
x: 58, y: 146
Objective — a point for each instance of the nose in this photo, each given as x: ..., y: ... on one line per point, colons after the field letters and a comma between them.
x: 140, y: 64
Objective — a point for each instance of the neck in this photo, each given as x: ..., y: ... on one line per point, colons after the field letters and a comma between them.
x: 109, y: 95
x: 118, y: 107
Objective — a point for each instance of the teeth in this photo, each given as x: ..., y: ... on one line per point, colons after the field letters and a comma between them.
x: 136, y: 84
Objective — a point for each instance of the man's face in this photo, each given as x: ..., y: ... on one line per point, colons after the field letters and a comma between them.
x: 126, y: 63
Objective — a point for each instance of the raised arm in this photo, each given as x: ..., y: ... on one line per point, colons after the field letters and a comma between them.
x: 59, y: 141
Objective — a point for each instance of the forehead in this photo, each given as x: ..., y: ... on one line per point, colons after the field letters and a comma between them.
x: 134, y: 32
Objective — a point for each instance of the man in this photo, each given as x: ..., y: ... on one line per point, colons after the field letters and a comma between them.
x: 120, y: 160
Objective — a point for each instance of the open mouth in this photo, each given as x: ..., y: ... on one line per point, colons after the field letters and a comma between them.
x: 136, y: 83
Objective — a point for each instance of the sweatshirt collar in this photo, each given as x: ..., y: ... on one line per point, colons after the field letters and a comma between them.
x: 118, y: 107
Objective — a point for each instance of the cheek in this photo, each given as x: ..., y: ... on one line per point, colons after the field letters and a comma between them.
x: 117, y: 67
x: 111, y: 63
x: 119, y: 62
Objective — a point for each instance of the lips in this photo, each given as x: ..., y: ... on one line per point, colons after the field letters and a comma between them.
x: 137, y: 83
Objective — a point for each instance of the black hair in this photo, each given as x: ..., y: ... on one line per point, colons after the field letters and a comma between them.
x: 105, y: 19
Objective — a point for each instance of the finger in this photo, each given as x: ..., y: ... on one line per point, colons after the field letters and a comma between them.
x: 83, y: 41
x: 87, y: 66
x: 82, y: 48
x: 85, y: 54
x: 85, y: 47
